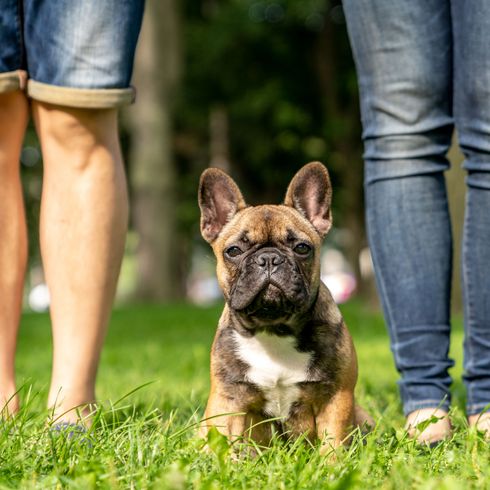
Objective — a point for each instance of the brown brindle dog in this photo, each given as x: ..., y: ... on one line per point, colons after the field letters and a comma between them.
x: 282, y: 349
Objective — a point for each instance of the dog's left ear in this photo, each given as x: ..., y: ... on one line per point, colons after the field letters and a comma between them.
x: 219, y: 199
x: 310, y: 193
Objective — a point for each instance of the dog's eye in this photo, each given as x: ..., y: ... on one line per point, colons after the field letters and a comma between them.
x: 302, y: 249
x: 233, y: 251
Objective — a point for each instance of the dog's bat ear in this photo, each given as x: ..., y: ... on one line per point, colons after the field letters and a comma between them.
x: 310, y: 193
x: 219, y: 200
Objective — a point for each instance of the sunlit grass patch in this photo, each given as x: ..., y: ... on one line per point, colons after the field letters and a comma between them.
x: 152, y: 388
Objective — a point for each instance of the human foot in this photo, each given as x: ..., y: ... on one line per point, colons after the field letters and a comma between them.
x: 72, y: 407
x: 428, y: 425
x: 482, y: 422
x: 9, y: 404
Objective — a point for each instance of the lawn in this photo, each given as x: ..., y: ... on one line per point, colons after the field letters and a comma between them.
x: 152, y: 387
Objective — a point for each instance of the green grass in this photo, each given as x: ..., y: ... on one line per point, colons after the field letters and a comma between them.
x: 148, y: 440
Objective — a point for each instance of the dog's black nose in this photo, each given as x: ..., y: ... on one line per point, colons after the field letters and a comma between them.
x: 269, y: 258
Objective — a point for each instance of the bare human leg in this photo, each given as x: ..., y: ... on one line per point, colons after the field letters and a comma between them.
x: 13, y: 248
x: 84, y: 213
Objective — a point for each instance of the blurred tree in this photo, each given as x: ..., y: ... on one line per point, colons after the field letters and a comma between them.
x: 271, y: 85
x: 152, y: 171
x: 342, y: 126
x: 456, y: 191
x: 31, y: 173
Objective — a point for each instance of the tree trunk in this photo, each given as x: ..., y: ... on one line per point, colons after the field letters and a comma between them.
x: 218, y: 138
x: 153, y: 174
x: 456, y: 191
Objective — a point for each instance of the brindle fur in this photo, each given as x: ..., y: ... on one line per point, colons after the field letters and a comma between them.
x: 325, y: 409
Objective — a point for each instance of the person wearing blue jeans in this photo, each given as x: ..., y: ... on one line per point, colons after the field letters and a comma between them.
x: 424, y: 69
x: 68, y: 63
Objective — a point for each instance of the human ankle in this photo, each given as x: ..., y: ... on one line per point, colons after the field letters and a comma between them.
x: 66, y: 413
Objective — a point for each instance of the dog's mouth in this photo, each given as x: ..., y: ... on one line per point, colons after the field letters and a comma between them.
x: 269, y: 304
x: 268, y: 299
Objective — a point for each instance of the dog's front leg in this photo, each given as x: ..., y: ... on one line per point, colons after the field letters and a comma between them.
x: 334, y: 420
x: 233, y: 421
x: 223, y: 414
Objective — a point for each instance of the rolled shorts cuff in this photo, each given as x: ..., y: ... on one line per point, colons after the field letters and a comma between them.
x: 85, y: 98
x: 12, y: 80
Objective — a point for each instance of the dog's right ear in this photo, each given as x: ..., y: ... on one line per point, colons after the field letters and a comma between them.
x: 310, y: 193
x: 219, y: 199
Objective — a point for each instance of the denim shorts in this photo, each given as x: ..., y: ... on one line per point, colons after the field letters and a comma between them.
x: 76, y: 53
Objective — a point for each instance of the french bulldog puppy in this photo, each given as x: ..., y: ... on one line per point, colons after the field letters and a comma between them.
x: 282, y: 350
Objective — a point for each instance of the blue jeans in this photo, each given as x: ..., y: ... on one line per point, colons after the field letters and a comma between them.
x: 74, y: 52
x: 424, y: 68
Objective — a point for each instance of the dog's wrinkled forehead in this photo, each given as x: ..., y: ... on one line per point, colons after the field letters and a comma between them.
x: 268, y: 224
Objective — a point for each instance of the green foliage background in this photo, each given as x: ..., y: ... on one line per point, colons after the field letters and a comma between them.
x: 282, y: 73
x: 260, y: 61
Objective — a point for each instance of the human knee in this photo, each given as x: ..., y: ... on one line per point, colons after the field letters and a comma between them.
x: 13, y: 115
x: 11, y: 100
x: 76, y: 131
x: 397, y: 156
x: 407, y: 114
x: 70, y: 126
x: 408, y: 103
x: 407, y: 126
x: 474, y: 140
x: 479, y: 179
x: 13, y: 122
x: 406, y: 138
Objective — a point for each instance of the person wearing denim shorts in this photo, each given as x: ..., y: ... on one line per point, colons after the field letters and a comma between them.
x: 424, y: 69
x: 68, y: 62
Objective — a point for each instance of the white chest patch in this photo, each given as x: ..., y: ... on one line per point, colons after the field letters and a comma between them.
x: 276, y: 367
